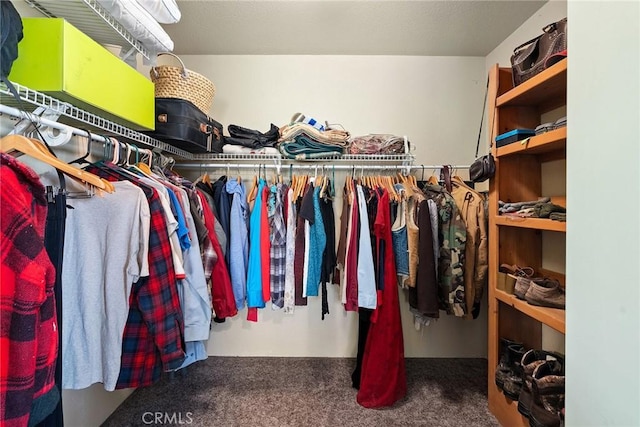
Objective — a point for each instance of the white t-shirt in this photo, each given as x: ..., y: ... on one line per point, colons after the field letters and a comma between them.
x: 105, y: 250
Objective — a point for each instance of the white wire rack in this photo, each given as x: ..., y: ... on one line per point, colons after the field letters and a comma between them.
x: 76, y: 117
x: 92, y: 19
x: 80, y: 118
x: 344, y: 162
x: 395, y: 158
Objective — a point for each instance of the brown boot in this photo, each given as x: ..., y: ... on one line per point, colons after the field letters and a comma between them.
x: 548, y: 395
x: 505, y: 367
x: 513, y: 381
x: 530, y: 361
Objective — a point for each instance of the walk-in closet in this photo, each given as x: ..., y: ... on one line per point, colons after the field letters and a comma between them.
x: 259, y: 213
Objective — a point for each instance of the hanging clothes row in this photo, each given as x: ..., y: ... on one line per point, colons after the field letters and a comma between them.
x: 278, y: 239
x: 447, y: 243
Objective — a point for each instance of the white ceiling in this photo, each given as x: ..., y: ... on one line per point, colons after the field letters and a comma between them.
x: 361, y: 27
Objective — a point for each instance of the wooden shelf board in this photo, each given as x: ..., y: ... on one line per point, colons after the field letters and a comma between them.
x: 552, y: 141
x: 552, y: 317
x: 536, y: 223
x: 505, y: 409
x: 548, y: 85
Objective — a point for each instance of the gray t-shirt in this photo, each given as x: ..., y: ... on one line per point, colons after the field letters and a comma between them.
x: 105, y: 252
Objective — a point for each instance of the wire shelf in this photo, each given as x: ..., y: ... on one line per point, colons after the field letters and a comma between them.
x: 85, y: 118
x: 92, y: 19
x: 74, y: 116
x: 348, y: 158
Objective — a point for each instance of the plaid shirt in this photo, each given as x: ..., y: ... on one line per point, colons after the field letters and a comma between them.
x: 278, y: 246
x: 153, y: 336
x: 29, y: 338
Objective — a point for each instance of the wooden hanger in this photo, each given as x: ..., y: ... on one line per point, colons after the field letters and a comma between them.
x: 34, y: 148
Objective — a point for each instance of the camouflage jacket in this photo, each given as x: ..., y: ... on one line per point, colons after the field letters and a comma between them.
x: 452, y: 236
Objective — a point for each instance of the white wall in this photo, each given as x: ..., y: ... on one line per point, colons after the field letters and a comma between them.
x: 603, y: 249
x: 436, y: 101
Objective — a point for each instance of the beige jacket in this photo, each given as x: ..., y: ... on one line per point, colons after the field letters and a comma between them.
x: 471, y: 206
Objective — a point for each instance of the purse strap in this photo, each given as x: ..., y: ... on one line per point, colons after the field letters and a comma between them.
x: 484, y: 108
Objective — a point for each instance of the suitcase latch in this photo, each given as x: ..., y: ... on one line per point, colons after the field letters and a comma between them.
x: 162, y: 118
x: 206, y: 129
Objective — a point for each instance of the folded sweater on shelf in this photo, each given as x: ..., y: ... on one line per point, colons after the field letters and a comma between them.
x: 331, y: 136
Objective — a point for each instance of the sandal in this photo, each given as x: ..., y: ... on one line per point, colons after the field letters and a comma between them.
x: 516, y: 270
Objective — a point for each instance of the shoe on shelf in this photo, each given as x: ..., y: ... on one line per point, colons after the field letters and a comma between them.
x: 521, y: 287
x: 530, y: 361
x: 545, y: 293
x: 547, y: 387
x: 504, y: 368
x: 513, y: 381
x: 516, y: 270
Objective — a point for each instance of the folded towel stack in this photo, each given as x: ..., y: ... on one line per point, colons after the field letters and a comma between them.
x: 301, y: 141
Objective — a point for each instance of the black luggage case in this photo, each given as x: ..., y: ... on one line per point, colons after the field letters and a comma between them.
x: 181, y: 124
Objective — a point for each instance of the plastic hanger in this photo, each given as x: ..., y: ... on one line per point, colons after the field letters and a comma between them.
x: 34, y: 148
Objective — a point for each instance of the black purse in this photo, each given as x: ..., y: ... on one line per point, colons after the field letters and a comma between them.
x: 483, y: 167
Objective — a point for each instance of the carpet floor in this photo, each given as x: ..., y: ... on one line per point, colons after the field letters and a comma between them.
x: 234, y: 391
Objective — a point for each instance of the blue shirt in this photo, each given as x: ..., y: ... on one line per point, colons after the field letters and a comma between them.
x: 317, y: 242
x: 238, y: 241
x: 254, y: 273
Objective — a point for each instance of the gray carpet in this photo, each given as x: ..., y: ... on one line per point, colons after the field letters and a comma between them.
x: 231, y: 391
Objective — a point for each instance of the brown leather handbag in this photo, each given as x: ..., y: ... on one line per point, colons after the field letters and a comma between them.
x: 538, y: 54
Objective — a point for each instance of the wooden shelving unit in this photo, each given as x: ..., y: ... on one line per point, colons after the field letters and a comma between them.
x: 548, y: 142
x: 514, y: 240
x: 535, y: 223
x: 551, y: 317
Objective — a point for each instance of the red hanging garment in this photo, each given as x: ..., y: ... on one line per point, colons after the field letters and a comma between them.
x: 383, y: 380
x: 265, y: 246
x: 223, y: 301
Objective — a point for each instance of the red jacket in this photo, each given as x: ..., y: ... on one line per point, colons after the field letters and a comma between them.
x: 29, y: 337
x: 223, y: 301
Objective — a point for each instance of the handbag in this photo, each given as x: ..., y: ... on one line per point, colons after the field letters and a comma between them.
x: 539, y: 53
x: 483, y: 167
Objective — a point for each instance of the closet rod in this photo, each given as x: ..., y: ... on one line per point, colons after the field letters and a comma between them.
x: 327, y: 166
x: 5, y: 109
x: 69, y: 130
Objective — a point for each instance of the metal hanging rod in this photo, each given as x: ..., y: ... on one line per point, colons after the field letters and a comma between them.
x: 66, y: 131
x: 326, y: 167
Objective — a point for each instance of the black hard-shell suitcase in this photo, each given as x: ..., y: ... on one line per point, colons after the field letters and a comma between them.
x: 183, y: 125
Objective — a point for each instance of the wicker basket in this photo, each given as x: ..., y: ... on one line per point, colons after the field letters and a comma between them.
x: 178, y: 82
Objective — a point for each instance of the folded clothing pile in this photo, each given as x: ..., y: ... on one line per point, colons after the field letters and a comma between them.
x: 250, y: 138
x: 301, y: 141
x: 378, y: 144
x: 521, y: 209
x: 541, y: 208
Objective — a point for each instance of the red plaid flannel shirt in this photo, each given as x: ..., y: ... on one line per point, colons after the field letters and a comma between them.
x: 29, y: 337
x: 153, y: 335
